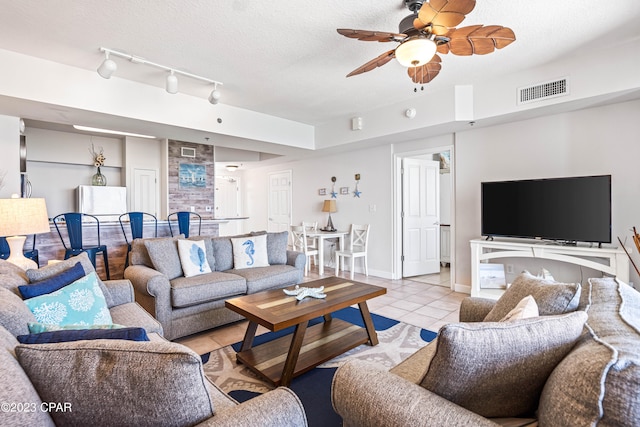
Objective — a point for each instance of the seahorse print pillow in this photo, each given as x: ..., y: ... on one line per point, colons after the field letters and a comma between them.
x: 193, y: 257
x: 249, y: 252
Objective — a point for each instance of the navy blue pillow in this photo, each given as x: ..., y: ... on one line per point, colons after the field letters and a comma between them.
x: 53, y: 283
x: 131, y: 334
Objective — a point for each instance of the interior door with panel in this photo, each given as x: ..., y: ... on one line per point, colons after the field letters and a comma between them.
x: 279, y: 201
x: 145, y: 191
x: 420, y: 217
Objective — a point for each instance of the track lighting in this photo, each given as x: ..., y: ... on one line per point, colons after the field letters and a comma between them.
x: 214, y: 97
x: 108, y: 67
x: 172, y: 83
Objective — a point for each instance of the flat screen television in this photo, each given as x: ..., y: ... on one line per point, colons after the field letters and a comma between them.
x: 574, y: 209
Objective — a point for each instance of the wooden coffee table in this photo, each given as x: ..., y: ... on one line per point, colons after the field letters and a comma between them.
x: 280, y: 360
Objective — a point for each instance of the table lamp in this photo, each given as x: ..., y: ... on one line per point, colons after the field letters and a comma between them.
x: 329, y: 206
x: 18, y: 217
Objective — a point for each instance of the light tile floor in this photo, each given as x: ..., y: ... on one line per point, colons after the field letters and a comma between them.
x: 424, y: 301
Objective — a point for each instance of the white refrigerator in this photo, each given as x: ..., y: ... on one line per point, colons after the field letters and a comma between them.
x: 107, y: 202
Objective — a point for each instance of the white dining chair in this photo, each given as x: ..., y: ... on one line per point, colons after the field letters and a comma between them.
x: 299, y: 243
x: 358, y: 244
x: 312, y: 242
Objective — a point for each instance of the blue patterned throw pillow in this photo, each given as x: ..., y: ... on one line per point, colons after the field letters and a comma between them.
x: 80, y: 303
x: 193, y: 257
x: 250, y: 252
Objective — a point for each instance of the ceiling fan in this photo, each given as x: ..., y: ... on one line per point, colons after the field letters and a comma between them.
x: 430, y: 29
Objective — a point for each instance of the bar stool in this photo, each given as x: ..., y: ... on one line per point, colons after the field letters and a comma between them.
x: 74, y: 223
x: 136, y: 221
x: 184, y: 222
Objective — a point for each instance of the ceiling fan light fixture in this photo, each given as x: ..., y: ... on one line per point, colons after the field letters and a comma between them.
x: 415, y: 52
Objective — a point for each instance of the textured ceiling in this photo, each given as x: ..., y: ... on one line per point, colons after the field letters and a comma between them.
x: 285, y: 58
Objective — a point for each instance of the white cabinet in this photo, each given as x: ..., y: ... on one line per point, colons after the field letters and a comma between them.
x: 609, y: 260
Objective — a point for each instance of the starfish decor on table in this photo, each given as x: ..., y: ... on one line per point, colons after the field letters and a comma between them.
x: 301, y: 293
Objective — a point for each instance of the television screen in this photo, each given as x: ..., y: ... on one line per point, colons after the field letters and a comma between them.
x: 566, y: 209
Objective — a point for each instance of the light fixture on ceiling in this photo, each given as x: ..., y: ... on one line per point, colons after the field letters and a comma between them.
x: 113, y: 132
x: 172, y: 83
x: 108, y: 67
x: 416, y: 51
x: 232, y: 168
x: 214, y: 97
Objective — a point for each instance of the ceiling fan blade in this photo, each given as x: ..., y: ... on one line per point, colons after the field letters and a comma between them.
x: 367, y: 35
x: 374, y: 63
x: 426, y: 72
x: 477, y: 40
x: 443, y: 14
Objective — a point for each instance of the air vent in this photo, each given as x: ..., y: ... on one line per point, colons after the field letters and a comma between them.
x: 540, y: 91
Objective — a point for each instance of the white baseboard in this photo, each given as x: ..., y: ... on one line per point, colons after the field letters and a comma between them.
x: 465, y: 289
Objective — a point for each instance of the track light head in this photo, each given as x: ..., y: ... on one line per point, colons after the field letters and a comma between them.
x: 214, y: 97
x: 108, y: 67
x: 172, y: 83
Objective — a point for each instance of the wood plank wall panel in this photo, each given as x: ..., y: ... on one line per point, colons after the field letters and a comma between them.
x: 181, y: 199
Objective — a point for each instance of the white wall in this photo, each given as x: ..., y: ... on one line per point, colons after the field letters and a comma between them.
x: 374, y: 167
x: 10, y: 158
x: 58, y: 162
x: 601, y: 140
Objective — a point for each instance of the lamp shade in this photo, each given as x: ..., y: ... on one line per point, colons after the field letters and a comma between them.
x: 22, y: 216
x: 415, y: 52
x: 329, y: 206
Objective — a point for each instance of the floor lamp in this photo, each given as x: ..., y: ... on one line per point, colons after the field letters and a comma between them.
x: 19, y: 217
x: 329, y: 206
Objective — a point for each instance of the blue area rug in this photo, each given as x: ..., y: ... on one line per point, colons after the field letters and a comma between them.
x: 397, y: 341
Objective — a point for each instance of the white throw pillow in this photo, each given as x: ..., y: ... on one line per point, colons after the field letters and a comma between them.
x: 193, y: 257
x: 250, y: 251
x: 526, y: 308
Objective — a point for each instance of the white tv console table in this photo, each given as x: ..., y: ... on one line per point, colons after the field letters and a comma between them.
x: 615, y: 261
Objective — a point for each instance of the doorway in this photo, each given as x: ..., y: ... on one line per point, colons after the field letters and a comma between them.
x: 279, y: 201
x: 434, y: 236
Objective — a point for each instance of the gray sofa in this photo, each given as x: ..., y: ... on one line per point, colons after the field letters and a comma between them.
x: 186, y: 305
x: 116, y: 382
x: 589, y: 380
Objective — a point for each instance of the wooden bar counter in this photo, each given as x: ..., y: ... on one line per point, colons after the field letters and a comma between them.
x: 50, y: 247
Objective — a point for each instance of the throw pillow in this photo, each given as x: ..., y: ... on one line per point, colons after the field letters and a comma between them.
x: 211, y: 259
x: 80, y: 303
x: 131, y: 334
x: 139, y: 254
x: 551, y: 297
x: 277, y: 247
x: 498, y: 369
x: 193, y: 257
x: 525, y: 309
x: 124, y: 382
x: 250, y: 251
x: 36, y: 275
x: 14, y: 314
x: 164, y: 256
x: 53, y: 283
x: 37, y: 328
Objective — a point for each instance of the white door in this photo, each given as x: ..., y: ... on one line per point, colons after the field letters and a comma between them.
x: 420, y: 217
x: 227, y: 199
x: 145, y: 191
x: 279, y: 201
